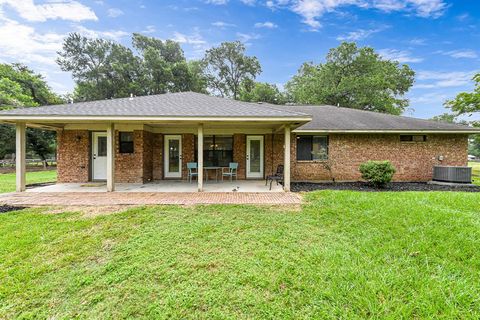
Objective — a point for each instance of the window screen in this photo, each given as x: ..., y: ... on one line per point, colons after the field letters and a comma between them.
x: 126, y: 142
x: 217, y: 150
x: 312, y: 148
x: 413, y: 138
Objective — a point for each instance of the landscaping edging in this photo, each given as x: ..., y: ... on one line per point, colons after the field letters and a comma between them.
x: 391, y: 187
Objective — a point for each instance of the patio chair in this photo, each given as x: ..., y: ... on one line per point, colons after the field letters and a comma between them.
x: 232, y: 171
x: 277, y: 177
x: 192, y: 171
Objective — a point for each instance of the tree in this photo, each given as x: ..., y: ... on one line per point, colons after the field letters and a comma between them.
x: 355, y: 78
x: 261, y: 92
x: 101, y: 68
x: 104, y: 69
x: 21, y: 87
x: 468, y: 103
x: 226, y: 67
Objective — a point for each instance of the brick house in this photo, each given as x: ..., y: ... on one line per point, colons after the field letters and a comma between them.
x: 143, y: 139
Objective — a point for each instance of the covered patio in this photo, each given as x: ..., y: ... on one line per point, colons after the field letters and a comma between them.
x: 175, y: 186
x: 148, y: 143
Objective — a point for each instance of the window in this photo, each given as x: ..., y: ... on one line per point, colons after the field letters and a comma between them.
x: 312, y: 148
x: 217, y: 151
x: 413, y: 138
x: 126, y: 142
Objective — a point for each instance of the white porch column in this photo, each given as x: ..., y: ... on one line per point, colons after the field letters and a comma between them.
x: 20, y: 156
x: 200, y: 157
x: 286, y: 160
x: 111, y: 157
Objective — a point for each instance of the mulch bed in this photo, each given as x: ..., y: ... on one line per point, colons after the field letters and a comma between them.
x: 394, y: 186
x: 6, y: 208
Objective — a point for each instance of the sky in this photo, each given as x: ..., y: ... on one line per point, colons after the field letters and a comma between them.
x: 439, y: 39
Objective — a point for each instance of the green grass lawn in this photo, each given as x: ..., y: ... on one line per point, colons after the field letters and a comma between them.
x: 475, y: 172
x: 343, y: 255
x: 7, y: 180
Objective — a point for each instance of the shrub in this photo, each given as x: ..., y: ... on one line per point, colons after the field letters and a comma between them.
x: 378, y: 173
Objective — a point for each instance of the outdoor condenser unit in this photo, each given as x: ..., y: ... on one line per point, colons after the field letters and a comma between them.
x: 452, y: 174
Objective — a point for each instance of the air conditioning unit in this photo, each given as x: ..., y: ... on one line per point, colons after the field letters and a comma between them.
x: 452, y: 174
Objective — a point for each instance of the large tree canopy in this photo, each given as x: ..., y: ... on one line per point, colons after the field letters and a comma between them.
x: 226, y: 67
x: 104, y: 69
x: 467, y: 103
x: 261, y: 92
x: 356, y: 78
x: 21, y: 87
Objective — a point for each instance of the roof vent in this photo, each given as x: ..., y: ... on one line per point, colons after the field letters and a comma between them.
x: 131, y: 96
x: 259, y: 102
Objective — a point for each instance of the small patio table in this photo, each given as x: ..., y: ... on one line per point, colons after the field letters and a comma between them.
x: 216, y: 168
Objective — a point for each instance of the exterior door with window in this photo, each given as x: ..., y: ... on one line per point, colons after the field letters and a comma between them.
x: 173, y: 156
x: 99, y: 156
x: 255, y: 157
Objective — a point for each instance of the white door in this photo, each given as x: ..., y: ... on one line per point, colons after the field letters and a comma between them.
x: 173, y: 156
x: 99, y: 156
x: 255, y: 157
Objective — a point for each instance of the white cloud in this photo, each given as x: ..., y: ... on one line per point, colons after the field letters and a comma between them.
x: 149, y: 29
x: 64, y: 10
x: 28, y: 45
x: 359, y: 34
x: 458, y: 54
x: 114, y: 12
x: 266, y: 24
x: 312, y: 10
x: 194, y: 42
x: 417, y: 42
x: 222, y: 24
x: 401, y: 56
x: 217, y: 2
x: 249, y: 2
x: 436, y: 79
x: 246, y: 37
x: 109, y: 34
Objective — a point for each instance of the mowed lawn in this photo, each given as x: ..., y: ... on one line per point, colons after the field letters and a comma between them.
x: 343, y: 255
x: 7, y: 180
x: 475, y: 172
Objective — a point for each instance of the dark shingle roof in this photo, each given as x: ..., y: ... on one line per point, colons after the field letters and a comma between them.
x: 330, y: 118
x: 182, y: 104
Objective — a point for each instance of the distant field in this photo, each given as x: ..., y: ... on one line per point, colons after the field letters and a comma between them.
x: 476, y: 172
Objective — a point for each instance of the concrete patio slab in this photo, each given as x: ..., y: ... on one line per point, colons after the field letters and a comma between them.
x: 163, y: 186
x: 146, y: 198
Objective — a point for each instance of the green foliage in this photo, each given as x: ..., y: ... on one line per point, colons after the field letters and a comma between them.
x: 355, y: 78
x: 226, y: 67
x: 445, y: 117
x: 466, y: 102
x: 342, y: 255
x: 21, y: 87
x: 261, y: 92
x: 378, y: 173
x: 103, y: 69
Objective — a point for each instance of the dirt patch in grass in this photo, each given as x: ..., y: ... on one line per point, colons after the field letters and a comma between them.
x: 394, y: 186
x: 6, y: 208
x: 88, y: 211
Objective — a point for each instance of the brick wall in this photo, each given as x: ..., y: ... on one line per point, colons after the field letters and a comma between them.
x: 188, y: 152
x: 273, y: 152
x: 73, y: 155
x: 157, y: 156
x: 239, y: 154
x: 413, y: 161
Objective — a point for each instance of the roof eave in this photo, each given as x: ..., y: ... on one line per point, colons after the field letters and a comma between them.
x: 463, y: 131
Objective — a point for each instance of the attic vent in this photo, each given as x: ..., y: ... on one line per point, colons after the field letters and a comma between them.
x: 452, y: 174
